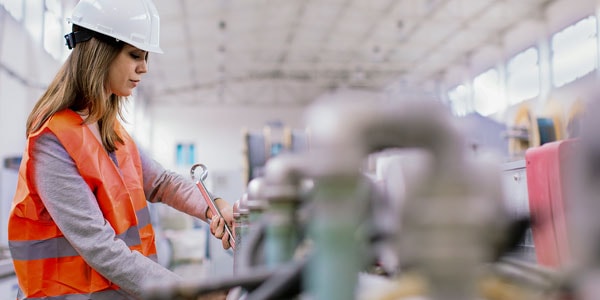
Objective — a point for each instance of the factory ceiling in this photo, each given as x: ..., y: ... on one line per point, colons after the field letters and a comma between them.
x: 288, y: 52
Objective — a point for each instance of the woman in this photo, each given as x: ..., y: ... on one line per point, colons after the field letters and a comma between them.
x: 79, y: 227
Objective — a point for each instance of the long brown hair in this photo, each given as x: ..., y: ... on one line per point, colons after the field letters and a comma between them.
x: 80, y: 85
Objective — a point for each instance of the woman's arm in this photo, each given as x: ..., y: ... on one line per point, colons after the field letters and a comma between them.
x: 75, y: 211
x: 161, y: 185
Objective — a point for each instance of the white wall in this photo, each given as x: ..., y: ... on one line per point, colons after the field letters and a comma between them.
x: 25, y: 69
x: 215, y: 130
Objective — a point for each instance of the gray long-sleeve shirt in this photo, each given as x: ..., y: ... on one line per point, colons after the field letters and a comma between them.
x: 75, y: 211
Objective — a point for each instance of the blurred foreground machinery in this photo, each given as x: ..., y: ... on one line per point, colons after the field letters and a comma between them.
x: 311, y: 226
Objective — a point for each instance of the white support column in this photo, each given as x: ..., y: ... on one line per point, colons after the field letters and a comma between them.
x: 503, y: 82
x: 2, y: 20
x: 598, y: 40
x: 545, y: 66
x: 470, y: 105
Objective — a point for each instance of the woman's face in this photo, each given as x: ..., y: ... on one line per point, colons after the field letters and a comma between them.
x: 126, y: 70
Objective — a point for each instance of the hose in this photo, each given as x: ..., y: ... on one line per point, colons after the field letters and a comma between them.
x: 285, y: 283
x: 249, y: 256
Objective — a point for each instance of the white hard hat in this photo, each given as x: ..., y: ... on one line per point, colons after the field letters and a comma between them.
x: 135, y: 22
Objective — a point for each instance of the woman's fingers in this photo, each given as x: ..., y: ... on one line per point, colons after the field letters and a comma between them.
x: 217, y: 227
x: 213, y: 225
x: 225, y: 241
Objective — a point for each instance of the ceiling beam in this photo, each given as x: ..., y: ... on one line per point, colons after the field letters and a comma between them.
x: 316, y: 77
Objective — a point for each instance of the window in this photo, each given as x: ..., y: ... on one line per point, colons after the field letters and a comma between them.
x: 459, y: 100
x: 574, y: 51
x: 524, y: 76
x: 185, y: 154
x: 487, y: 93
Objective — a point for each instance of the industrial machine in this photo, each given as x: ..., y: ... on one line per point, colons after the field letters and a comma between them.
x: 310, y: 224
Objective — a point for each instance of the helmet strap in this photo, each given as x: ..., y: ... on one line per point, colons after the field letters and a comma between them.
x: 76, y: 37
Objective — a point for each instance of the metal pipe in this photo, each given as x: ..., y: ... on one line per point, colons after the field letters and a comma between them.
x: 237, y: 236
x: 283, y: 178
x: 347, y: 131
x: 251, y: 255
x: 257, y: 203
x: 285, y: 285
x: 244, y: 217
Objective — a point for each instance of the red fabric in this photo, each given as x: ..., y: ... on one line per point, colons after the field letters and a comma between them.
x: 548, y: 186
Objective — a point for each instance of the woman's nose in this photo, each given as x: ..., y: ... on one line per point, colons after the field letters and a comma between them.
x: 142, y: 67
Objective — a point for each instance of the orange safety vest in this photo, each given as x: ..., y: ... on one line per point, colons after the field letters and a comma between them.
x: 45, y: 263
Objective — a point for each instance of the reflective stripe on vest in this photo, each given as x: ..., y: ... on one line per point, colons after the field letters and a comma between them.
x: 45, y: 263
x: 60, y: 247
x: 104, y: 295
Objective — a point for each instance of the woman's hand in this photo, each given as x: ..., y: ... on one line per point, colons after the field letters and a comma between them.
x: 217, y: 225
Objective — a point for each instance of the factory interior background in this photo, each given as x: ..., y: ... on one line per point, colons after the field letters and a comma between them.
x: 238, y: 80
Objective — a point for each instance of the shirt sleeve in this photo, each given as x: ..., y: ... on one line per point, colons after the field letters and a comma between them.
x: 161, y: 185
x: 75, y: 211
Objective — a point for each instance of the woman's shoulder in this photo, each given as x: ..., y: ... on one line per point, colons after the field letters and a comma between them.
x: 48, y: 141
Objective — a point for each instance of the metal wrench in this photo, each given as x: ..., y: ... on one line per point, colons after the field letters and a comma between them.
x: 208, y: 197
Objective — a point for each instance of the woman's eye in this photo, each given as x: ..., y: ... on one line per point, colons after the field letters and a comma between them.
x: 135, y: 56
